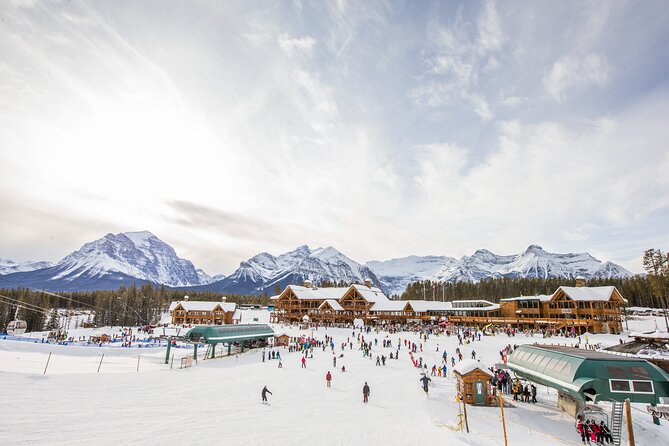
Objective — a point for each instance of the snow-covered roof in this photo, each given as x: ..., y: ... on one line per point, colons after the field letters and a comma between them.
x: 194, y: 305
x: 422, y: 306
x: 657, y: 334
x: 237, y: 315
x: 302, y: 292
x: 389, y: 305
x: 371, y: 294
x: 541, y: 297
x: 333, y: 303
x: 589, y: 293
x: 275, y: 297
x: 229, y: 306
x: 469, y: 365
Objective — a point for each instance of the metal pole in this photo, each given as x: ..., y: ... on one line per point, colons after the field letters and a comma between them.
x: 464, y: 406
x: 195, y: 353
x: 501, y: 406
x: 167, y: 353
x: 138, y: 356
x: 47, y: 363
x: 172, y: 363
x: 100, y: 365
x: 630, y: 429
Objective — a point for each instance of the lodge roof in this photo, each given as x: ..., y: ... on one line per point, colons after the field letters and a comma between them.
x: 195, y: 305
x: 333, y: 304
x: 540, y: 297
x: 589, y: 293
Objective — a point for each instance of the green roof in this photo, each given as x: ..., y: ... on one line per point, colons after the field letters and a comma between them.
x: 215, y: 334
x: 579, y: 372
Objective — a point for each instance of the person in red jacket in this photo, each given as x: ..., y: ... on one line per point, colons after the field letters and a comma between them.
x: 304, y: 362
x: 328, y: 379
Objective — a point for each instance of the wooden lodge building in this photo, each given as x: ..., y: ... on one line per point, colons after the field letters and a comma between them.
x: 580, y: 308
x: 185, y: 312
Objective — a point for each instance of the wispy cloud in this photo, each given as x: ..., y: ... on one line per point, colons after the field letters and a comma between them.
x: 571, y: 73
x: 297, y: 44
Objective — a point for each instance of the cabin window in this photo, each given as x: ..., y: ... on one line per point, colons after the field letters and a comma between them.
x: 616, y: 372
x: 620, y: 385
x: 643, y: 386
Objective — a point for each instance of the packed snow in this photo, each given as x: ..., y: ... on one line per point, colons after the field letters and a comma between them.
x: 218, y: 401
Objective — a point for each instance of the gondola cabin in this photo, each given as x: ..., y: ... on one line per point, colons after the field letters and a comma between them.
x: 473, y: 382
x: 16, y: 327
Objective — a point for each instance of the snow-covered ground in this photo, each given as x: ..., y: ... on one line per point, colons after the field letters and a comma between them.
x: 218, y: 401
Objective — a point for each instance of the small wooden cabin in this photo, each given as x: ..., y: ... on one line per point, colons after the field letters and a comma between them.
x: 281, y: 340
x: 473, y: 382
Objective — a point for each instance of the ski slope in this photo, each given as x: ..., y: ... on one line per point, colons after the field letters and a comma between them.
x: 218, y: 401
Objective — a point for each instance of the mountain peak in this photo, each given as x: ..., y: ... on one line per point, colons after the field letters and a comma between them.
x: 535, y: 249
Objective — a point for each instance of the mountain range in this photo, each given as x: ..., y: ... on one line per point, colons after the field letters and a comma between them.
x: 142, y: 258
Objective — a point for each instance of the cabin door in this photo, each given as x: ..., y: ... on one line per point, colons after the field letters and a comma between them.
x: 479, y: 393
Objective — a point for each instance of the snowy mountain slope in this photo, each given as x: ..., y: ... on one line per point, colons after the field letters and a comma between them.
x: 206, y: 278
x: 264, y: 272
x: 112, y: 261
x: 10, y: 266
x: 534, y: 262
x: 396, y: 274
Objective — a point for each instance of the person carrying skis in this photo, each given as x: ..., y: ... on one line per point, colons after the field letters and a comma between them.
x: 264, y: 393
x: 425, y: 380
x: 328, y: 378
x: 365, y: 393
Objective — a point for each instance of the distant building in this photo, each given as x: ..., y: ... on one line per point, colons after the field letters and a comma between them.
x: 185, y: 312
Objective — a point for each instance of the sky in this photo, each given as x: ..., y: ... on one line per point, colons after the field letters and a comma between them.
x: 384, y: 129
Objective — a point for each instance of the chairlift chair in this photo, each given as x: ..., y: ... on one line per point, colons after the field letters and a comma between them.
x: 16, y: 327
x: 592, y: 412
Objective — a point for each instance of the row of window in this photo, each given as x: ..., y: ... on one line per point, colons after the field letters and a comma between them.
x: 631, y: 386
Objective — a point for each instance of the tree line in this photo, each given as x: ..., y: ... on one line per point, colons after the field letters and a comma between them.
x: 126, y: 306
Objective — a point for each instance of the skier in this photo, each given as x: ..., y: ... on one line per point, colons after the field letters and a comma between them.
x: 425, y: 380
x: 264, y: 393
x: 334, y: 361
x: 304, y: 362
x: 328, y: 378
x: 534, y: 393
x: 365, y: 393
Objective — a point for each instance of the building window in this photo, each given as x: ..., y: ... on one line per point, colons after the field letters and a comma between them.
x: 619, y: 385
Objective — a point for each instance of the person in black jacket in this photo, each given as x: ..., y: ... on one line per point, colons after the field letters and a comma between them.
x: 264, y: 393
x: 425, y: 380
x: 365, y: 393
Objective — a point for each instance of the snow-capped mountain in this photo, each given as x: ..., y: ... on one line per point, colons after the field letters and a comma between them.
x: 10, y: 266
x: 206, y: 278
x: 534, y: 262
x: 263, y: 272
x: 112, y: 261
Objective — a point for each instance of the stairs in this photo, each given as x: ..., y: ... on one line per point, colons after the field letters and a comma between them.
x: 616, y: 421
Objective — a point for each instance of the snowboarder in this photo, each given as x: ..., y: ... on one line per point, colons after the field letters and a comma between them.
x: 264, y: 393
x: 365, y: 393
x: 328, y: 379
x: 425, y: 380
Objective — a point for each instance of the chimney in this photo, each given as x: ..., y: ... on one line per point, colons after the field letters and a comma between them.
x: 368, y: 283
x: 186, y: 298
x: 580, y: 281
x: 223, y: 298
x: 307, y: 283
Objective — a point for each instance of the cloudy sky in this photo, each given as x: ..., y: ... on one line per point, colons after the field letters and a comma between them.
x: 384, y: 129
